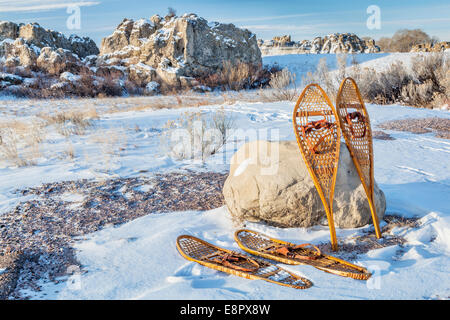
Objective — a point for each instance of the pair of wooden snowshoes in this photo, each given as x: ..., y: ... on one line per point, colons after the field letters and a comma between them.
x: 318, y: 126
x: 255, y: 243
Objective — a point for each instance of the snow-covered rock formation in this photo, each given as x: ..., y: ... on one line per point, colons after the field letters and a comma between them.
x: 173, y: 50
x: 333, y: 43
x: 147, y: 54
x: 22, y: 44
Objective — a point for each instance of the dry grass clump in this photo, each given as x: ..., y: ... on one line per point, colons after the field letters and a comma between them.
x: 71, y: 122
x: 20, y: 142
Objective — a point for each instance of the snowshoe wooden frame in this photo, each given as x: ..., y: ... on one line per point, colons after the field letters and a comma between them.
x: 206, y: 254
x: 358, y: 137
x: 321, y: 160
x: 259, y: 244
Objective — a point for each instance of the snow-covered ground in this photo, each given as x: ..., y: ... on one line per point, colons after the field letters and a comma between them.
x: 139, y: 260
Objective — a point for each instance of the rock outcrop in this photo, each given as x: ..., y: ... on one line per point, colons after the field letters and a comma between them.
x: 431, y: 47
x: 269, y: 182
x: 333, y: 43
x: 23, y: 42
x: 58, y: 61
x: 144, y: 56
x: 33, y: 58
x: 173, y: 50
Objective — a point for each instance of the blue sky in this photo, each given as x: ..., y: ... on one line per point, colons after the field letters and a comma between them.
x: 301, y: 19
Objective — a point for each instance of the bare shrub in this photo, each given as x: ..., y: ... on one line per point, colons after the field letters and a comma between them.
x: 342, y: 65
x: 110, y: 86
x: 283, y: 86
x: 171, y: 12
x: 222, y: 122
x: 324, y: 78
x: 70, y: 151
x: 196, y: 135
x: 237, y: 76
x: 417, y: 93
x: 385, y: 44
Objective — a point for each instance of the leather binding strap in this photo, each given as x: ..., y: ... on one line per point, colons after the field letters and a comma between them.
x: 315, y: 125
x: 229, y: 260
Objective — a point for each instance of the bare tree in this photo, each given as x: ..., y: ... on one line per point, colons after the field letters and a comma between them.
x: 171, y: 12
x: 403, y: 40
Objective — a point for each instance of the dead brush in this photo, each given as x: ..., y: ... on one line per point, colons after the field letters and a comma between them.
x: 237, y: 75
x: 323, y: 77
x: 283, y: 87
x: 20, y: 142
x: 72, y: 122
x: 426, y: 84
x: 196, y: 135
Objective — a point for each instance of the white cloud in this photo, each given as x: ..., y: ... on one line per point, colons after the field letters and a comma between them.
x: 41, y: 5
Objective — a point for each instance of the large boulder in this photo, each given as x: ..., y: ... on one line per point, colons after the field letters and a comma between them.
x: 269, y: 182
x: 172, y: 48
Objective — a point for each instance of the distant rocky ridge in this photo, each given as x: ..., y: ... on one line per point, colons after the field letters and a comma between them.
x: 333, y: 43
x: 432, y: 47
